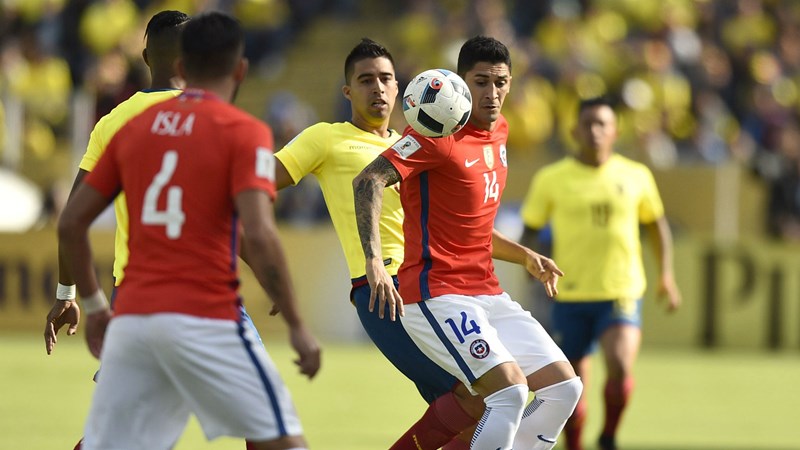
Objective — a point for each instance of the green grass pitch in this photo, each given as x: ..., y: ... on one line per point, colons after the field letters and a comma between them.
x: 685, y: 399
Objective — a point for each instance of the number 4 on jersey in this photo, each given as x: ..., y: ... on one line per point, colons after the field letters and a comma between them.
x: 173, y: 217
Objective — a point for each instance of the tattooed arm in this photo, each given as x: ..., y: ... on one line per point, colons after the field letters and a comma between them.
x: 368, y: 189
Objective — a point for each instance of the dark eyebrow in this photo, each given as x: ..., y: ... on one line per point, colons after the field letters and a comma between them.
x: 500, y: 77
x: 370, y: 75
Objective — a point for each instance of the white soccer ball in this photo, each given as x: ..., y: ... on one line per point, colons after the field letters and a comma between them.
x: 437, y: 103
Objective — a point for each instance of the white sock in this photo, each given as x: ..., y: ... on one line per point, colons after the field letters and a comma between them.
x: 500, y: 419
x: 545, y: 416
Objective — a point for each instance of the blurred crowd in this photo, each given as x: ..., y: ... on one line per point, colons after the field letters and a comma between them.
x: 66, y: 63
x: 698, y: 81
x: 52, y: 48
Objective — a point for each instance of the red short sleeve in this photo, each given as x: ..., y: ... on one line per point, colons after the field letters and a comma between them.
x: 253, y: 160
x: 105, y: 177
x: 415, y: 153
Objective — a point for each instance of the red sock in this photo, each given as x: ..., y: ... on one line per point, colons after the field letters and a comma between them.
x: 617, y: 393
x: 78, y: 445
x: 574, y: 426
x: 442, y: 421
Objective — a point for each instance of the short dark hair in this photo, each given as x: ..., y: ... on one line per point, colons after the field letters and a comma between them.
x: 367, y: 48
x: 164, y: 23
x: 162, y: 39
x: 482, y: 49
x: 603, y: 100
x: 212, y: 44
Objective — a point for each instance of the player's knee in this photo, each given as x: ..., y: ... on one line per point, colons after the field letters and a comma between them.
x: 501, y: 419
x: 510, y: 398
x: 566, y: 394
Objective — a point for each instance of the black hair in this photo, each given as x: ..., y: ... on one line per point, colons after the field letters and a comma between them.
x: 212, y: 44
x: 367, y: 48
x: 165, y: 22
x: 162, y: 39
x: 603, y: 100
x: 482, y: 49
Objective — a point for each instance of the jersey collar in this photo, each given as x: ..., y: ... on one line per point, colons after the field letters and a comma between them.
x: 150, y: 90
x: 199, y: 94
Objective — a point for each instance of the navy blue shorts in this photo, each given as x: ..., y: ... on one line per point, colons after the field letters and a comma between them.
x: 392, y: 340
x: 577, y: 326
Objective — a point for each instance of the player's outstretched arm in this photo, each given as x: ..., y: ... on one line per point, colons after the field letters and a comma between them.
x: 65, y: 310
x: 540, y: 267
x: 368, y: 189
x: 73, y: 234
x: 266, y: 258
x: 661, y: 237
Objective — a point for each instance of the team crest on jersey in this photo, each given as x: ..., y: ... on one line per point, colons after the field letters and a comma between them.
x: 503, y: 158
x: 488, y: 156
x: 479, y: 349
x: 406, y: 147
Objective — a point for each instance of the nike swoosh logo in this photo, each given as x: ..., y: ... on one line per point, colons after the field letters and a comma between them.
x: 542, y: 438
x: 469, y: 163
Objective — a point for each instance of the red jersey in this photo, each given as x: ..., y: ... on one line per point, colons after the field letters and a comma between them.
x: 450, y: 193
x: 180, y: 164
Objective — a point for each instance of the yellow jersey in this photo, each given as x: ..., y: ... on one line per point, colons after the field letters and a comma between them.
x: 595, y: 214
x: 335, y: 153
x: 101, y: 135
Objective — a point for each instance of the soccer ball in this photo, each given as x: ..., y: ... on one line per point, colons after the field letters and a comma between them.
x: 437, y: 103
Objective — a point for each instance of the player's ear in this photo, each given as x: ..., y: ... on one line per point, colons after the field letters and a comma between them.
x: 346, y: 92
x: 144, y: 57
x: 177, y: 82
x: 241, y: 70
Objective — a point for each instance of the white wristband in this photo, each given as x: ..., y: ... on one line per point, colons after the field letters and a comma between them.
x: 65, y: 293
x: 94, y: 303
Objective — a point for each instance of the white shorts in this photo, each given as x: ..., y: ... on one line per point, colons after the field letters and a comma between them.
x: 157, y: 369
x: 467, y: 336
